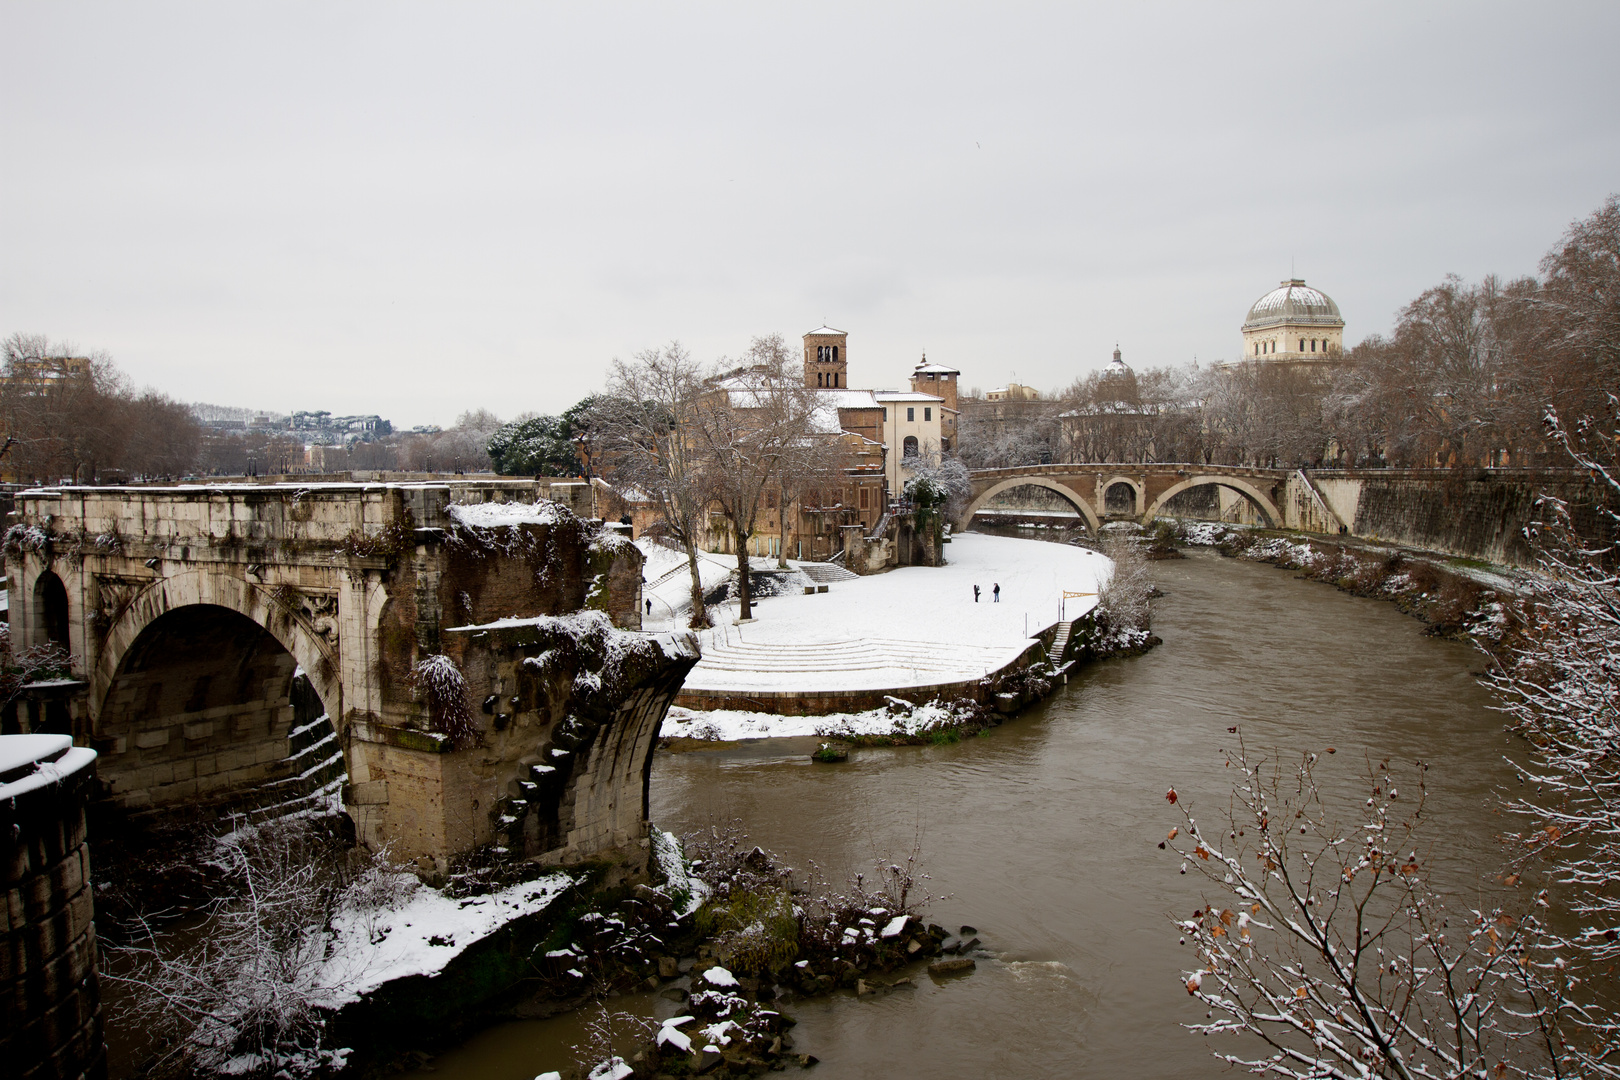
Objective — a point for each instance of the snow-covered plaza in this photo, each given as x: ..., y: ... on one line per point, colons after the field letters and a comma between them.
x: 915, y: 626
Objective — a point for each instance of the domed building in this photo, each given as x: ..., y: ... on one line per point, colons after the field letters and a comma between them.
x: 1293, y: 324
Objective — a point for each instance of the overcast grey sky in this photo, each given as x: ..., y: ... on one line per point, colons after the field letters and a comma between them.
x: 416, y: 209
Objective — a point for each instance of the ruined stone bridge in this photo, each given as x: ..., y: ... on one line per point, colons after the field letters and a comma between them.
x: 479, y: 664
x: 1144, y: 488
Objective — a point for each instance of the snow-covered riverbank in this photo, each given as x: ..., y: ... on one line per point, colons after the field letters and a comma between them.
x: 916, y: 626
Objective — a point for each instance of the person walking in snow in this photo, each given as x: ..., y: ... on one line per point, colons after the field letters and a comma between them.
x: 649, y: 607
x: 975, y: 594
x: 995, y: 590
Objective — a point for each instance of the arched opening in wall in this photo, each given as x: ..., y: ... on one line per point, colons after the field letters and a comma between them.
x: 1119, y: 498
x: 909, y: 447
x: 50, y: 610
x: 1030, y: 505
x: 207, y: 707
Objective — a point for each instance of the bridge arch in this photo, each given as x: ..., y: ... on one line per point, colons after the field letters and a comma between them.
x: 194, y: 695
x: 1138, y: 489
x: 1257, y: 499
x: 1074, y: 498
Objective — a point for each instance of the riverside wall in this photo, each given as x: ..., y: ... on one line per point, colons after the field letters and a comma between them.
x: 1472, y: 513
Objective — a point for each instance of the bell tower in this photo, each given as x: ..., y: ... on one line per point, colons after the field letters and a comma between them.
x: 826, y: 359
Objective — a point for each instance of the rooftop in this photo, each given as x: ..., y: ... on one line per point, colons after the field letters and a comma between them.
x: 1293, y: 302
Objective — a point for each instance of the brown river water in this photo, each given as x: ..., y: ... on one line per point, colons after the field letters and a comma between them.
x: 1043, y: 835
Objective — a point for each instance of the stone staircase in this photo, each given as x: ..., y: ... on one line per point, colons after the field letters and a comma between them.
x: 1060, y: 641
x: 825, y: 573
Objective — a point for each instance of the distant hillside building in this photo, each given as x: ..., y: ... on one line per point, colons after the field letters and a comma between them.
x: 1013, y: 392
x: 1293, y: 324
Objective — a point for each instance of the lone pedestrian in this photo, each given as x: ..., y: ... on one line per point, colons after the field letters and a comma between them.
x: 649, y: 608
x: 996, y: 591
x: 975, y: 594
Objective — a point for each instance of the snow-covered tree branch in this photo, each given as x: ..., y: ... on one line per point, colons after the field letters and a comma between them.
x: 1325, y: 942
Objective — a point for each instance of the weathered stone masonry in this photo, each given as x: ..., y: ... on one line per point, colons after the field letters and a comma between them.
x: 189, y: 610
x: 50, y: 1006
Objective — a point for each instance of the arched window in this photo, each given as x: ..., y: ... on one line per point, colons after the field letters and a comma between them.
x: 909, y: 447
x: 51, y: 603
x: 1301, y: 344
x: 835, y: 353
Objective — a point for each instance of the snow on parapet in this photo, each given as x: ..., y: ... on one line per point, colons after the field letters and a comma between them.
x: 30, y: 762
x: 496, y: 515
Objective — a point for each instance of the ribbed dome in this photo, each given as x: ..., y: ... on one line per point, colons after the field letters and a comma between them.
x: 1293, y: 302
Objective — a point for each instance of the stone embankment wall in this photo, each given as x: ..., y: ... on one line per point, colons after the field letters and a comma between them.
x: 827, y: 702
x: 1473, y: 513
x: 898, y: 540
x: 50, y: 1005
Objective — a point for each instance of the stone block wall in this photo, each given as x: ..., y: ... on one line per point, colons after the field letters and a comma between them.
x: 1475, y: 513
x: 200, y: 710
x: 50, y: 1004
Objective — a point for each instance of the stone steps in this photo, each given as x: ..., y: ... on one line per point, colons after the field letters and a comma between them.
x: 1060, y: 641
x: 825, y: 573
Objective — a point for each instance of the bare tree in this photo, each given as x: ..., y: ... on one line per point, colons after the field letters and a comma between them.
x: 1560, y: 685
x: 1327, y: 945
x: 749, y: 425
x: 813, y: 464
x: 249, y: 995
x: 1574, y: 339
x: 644, y: 433
x: 1124, y: 599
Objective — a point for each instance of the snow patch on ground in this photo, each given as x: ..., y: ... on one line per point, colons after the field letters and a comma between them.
x: 917, y: 626
x: 421, y: 936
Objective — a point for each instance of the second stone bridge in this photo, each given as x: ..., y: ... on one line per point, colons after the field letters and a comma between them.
x: 1142, y: 489
x: 474, y: 648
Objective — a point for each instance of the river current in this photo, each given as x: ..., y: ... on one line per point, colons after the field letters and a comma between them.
x: 1044, y: 834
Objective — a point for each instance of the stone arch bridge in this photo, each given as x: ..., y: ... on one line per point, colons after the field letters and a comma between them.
x: 1144, y: 488
x: 477, y: 659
